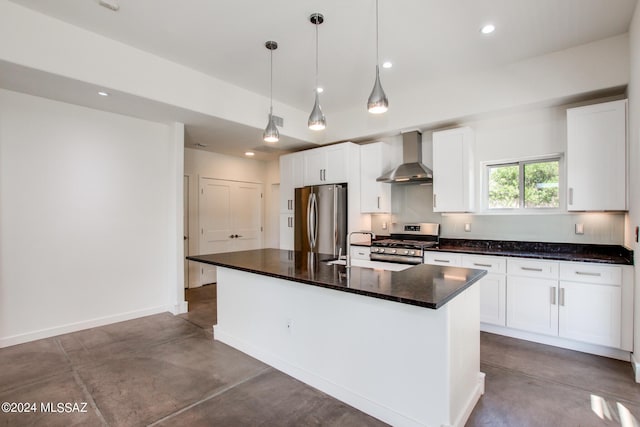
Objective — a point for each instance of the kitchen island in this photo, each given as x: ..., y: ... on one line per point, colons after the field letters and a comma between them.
x: 402, y: 346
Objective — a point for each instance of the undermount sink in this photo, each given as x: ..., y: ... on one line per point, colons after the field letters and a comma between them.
x: 391, y: 266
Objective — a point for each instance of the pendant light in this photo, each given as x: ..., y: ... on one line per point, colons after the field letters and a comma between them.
x: 317, y: 120
x: 271, y: 134
x: 378, y: 102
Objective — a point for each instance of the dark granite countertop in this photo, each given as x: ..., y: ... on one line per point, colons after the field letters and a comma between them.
x: 422, y: 285
x: 606, y: 254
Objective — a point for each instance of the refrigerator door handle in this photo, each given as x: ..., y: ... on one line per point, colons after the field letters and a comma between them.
x: 315, y: 221
x: 309, y: 204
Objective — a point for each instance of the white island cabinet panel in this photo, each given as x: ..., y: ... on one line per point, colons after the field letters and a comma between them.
x: 453, y: 170
x: 407, y: 366
x: 596, y: 157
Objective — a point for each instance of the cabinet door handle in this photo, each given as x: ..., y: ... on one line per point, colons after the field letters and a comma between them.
x: 320, y: 174
x: 531, y: 269
x: 561, y: 297
x: 442, y: 260
x: 477, y: 264
x: 378, y: 202
x: 434, y: 200
x: 553, y: 295
x: 588, y: 273
x: 570, y: 195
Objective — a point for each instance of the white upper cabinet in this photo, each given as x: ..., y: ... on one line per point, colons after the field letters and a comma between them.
x: 453, y: 170
x: 596, y: 157
x: 290, y: 178
x: 375, y: 159
x: 328, y: 165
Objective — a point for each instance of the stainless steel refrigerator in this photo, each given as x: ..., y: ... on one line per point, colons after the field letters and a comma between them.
x: 321, y: 219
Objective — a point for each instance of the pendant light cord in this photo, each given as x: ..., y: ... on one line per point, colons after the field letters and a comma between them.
x: 271, y: 88
x: 377, y: 43
x: 316, y: 89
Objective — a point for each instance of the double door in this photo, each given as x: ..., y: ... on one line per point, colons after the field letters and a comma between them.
x: 230, y: 216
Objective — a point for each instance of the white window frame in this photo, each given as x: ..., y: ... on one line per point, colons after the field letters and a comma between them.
x: 521, y: 162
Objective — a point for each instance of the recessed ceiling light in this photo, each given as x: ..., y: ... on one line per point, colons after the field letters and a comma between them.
x: 249, y: 153
x: 387, y: 64
x: 488, y: 29
x: 103, y: 93
x: 319, y: 89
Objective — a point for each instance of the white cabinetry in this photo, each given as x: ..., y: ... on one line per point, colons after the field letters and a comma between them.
x: 328, y: 165
x: 493, y: 287
x: 453, y: 167
x: 287, y: 238
x: 375, y: 159
x: 360, y: 252
x: 290, y: 179
x: 590, y: 301
x: 443, y: 258
x: 596, y: 157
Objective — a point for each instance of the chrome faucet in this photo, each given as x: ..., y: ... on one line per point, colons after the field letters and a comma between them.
x: 369, y: 233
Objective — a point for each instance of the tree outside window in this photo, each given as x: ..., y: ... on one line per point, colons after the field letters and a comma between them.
x: 528, y: 185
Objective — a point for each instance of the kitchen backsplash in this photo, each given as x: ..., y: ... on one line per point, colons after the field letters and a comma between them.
x: 412, y: 203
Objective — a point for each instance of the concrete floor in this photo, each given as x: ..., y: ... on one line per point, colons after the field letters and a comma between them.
x: 166, y: 370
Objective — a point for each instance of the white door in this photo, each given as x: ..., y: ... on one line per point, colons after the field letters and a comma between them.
x: 493, y: 289
x: 590, y: 313
x: 230, y: 215
x: 532, y: 304
x: 246, y: 220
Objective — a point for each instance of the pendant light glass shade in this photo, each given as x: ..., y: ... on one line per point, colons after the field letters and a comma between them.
x: 378, y: 102
x: 271, y: 133
x: 317, y: 121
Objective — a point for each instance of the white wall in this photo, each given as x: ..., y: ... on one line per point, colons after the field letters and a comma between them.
x: 634, y: 170
x: 507, y: 136
x: 199, y: 163
x: 87, y: 218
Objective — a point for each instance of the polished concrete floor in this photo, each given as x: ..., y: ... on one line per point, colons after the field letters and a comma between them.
x: 166, y: 370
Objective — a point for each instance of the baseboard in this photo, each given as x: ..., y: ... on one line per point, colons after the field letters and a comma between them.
x: 635, y: 362
x: 463, y: 417
x: 599, y: 350
x: 332, y: 389
x: 181, y: 307
x: 78, y: 326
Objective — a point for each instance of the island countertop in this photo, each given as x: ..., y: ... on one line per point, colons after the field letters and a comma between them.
x: 422, y: 285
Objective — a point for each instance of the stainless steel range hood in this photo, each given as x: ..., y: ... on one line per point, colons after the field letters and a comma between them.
x: 412, y: 171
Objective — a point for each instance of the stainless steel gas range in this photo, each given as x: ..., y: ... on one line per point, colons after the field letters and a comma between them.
x: 406, y: 243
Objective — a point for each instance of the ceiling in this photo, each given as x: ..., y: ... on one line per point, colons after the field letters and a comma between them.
x: 424, y: 39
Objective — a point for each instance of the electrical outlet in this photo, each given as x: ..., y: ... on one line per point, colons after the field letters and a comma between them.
x: 384, y: 225
x: 467, y: 227
x: 579, y: 228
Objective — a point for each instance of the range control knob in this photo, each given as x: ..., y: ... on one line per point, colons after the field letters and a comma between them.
x: 381, y: 250
x: 393, y: 251
x: 406, y: 252
x: 412, y: 252
x: 374, y: 249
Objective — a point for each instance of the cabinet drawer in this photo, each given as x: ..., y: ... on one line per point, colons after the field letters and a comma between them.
x: 360, y: 252
x: 532, y: 268
x: 489, y: 263
x: 590, y: 273
x: 443, y: 258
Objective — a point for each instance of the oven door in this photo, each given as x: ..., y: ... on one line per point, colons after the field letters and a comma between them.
x: 401, y: 259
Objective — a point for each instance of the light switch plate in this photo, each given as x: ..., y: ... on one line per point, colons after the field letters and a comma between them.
x: 467, y: 227
x: 579, y: 228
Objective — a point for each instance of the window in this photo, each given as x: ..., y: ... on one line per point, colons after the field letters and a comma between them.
x: 531, y: 184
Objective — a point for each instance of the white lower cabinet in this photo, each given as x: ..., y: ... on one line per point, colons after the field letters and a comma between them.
x: 590, y: 313
x: 532, y: 304
x: 493, y: 287
x: 587, y: 306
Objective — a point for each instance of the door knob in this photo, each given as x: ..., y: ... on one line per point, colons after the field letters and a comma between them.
x: 231, y: 236
x: 236, y: 236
